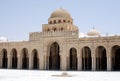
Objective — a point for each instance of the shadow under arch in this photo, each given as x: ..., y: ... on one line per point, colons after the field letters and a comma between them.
x: 101, y: 58
x: 86, y: 58
x: 115, y: 51
x: 54, y: 56
x: 14, y: 58
x: 73, y: 59
x: 4, y: 58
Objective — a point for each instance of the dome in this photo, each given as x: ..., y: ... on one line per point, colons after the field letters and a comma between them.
x: 93, y: 32
x: 60, y: 13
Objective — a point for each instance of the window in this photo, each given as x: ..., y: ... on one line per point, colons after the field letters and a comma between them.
x: 61, y: 29
x: 54, y: 29
x: 54, y: 21
x: 48, y: 29
x: 64, y: 21
x: 59, y: 21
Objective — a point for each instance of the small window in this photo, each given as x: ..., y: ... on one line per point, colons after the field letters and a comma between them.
x: 61, y: 29
x: 59, y: 21
x: 54, y: 21
x: 48, y: 29
x: 50, y: 22
x: 68, y: 21
x: 64, y: 21
x: 54, y: 29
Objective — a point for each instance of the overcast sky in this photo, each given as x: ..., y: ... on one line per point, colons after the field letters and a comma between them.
x: 19, y: 17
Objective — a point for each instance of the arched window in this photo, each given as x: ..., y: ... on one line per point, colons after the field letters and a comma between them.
x: 62, y: 29
x: 50, y: 22
x: 48, y: 30
x: 55, y: 29
x: 68, y: 21
x: 54, y: 21
x: 59, y: 21
x: 64, y: 21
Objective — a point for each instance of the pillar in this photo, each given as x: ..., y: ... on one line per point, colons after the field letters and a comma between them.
x: 19, y: 64
x: 109, y: 68
x: 93, y: 60
x: 30, y: 61
x: 9, y: 61
x: 63, y: 61
x: 79, y: 63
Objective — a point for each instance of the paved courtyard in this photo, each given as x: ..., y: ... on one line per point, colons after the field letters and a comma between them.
x: 37, y: 75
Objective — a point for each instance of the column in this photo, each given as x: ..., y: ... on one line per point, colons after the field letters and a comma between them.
x: 93, y: 60
x: 63, y: 61
x: 30, y: 61
x: 109, y: 68
x: 79, y: 57
x: 19, y: 64
x: 41, y: 61
x: 45, y: 61
x: 9, y: 61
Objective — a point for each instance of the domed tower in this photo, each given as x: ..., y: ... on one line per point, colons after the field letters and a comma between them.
x: 93, y: 32
x: 60, y: 20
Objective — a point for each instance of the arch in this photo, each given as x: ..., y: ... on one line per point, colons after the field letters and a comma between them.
x: 86, y: 58
x: 73, y: 59
x: 4, y: 58
x: 116, y: 58
x: 35, y: 59
x: 25, y: 59
x: 54, y: 57
x: 14, y: 58
x: 48, y: 30
x: 59, y: 21
x: 54, y: 29
x: 54, y: 21
x: 64, y: 21
x: 101, y: 58
x: 62, y: 29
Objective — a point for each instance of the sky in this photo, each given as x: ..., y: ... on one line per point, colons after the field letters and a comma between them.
x: 20, y: 17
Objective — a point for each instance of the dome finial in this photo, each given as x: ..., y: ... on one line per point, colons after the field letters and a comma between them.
x: 93, y: 27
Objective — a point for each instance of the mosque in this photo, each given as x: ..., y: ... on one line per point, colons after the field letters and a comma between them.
x: 59, y: 47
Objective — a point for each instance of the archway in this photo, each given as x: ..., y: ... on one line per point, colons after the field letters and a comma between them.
x: 14, y: 58
x: 101, y: 58
x: 73, y: 59
x: 54, y: 58
x: 35, y: 59
x: 25, y: 59
x: 86, y: 58
x: 4, y: 58
x: 116, y: 58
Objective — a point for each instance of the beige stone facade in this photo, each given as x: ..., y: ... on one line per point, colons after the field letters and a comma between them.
x: 58, y: 47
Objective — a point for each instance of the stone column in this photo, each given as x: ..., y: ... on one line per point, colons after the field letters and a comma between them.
x: 109, y: 68
x: 41, y: 61
x: 63, y: 61
x: 9, y: 61
x: 79, y: 63
x: 19, y: 64
x: 30, y: 61
x: 45, y: 61
x: 93, y: 60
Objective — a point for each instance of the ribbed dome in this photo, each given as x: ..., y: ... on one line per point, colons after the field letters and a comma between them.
x: 60, y: 13
x: 93, y: 32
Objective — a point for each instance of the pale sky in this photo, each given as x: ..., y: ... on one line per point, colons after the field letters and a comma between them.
x: 19, y: 17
